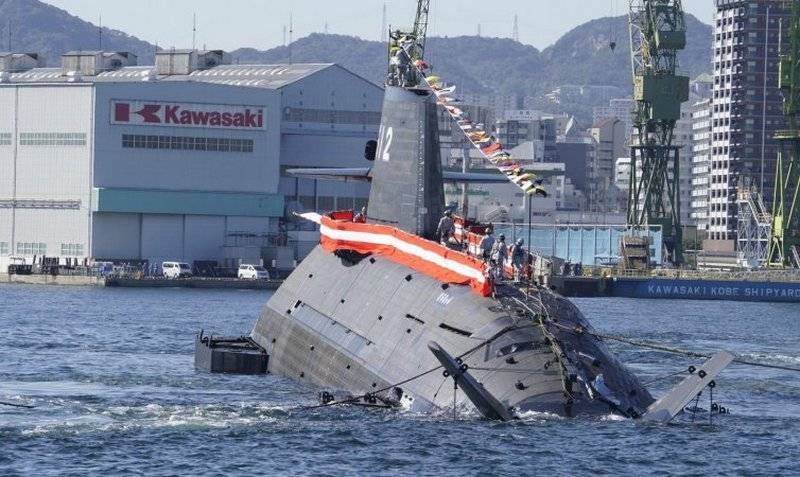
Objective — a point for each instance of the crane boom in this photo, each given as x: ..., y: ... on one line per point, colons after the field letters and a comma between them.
x: 421, y: 26
x: 658, y: 33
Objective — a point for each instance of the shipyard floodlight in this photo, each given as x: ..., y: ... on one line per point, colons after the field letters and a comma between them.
x: 658, y: 32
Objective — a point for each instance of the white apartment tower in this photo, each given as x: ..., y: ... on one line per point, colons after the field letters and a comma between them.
x: 701, y: 161
x: 746, y: 107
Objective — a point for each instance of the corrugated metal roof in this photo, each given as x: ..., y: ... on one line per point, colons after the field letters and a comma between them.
x: 258, y: 76
x: 264, y: 76
x: 128, y: 73
x: 4, y: 54
x: 84, y: 52
x: 39, y: 75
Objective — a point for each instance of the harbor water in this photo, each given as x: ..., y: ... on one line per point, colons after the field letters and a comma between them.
x: 110, y: 375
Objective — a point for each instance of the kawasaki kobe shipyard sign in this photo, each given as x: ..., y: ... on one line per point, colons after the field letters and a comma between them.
x: 191, y: 115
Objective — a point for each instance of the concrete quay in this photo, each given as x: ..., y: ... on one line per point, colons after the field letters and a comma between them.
x: 147, y: 282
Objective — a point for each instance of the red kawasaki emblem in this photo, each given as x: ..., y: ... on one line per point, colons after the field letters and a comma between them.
x: 187, y: 115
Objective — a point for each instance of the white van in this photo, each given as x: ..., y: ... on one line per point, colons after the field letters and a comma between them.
x: 252, y: 272
x: 176, y: 270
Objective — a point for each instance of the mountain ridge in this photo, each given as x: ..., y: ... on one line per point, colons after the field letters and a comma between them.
x: 582, y: 56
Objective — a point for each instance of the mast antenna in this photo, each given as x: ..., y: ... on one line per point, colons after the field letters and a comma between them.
x: 516, y: 28
x: 383, y: 25
x: 194, y: 30
x: 291, y: 31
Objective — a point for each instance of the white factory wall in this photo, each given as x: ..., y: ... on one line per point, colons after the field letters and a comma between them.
x: 310, y: 150
x: 49, y: 167
x: 6, y: 219
x: 53, y: 227
x: 159, y: 237
x: 7, y: 144
x: 162, y: 237
x: 322, y: 144
x: 188, y: 170
x: 204, y: 236
x: 7, y: 114
x: 255, y: 225
x: 53, y: 170
x: 116, y: 236
x: 333, y: 88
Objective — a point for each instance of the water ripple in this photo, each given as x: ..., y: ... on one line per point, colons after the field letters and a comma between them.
x: 111, y: 377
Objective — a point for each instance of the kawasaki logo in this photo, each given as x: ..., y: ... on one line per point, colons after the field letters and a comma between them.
x: 153, y: 113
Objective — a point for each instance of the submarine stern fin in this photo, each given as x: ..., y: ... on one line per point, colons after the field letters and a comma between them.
x: 669, y: 406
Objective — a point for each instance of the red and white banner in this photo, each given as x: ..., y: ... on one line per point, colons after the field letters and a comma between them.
x: 187, y: 115
x: 424, y: 256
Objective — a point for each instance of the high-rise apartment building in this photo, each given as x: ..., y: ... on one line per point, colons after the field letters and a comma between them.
x: 701, y: 162
x: 620, y: 108
x: 682, y: 137
x: 746, y: 106
x: 611, y: 144
x: 517, y: 128
x: 700, y: 89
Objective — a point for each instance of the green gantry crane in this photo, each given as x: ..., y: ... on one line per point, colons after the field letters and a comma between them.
x: 421, y: 27
x: 658, y: 33
x: 784, y: 247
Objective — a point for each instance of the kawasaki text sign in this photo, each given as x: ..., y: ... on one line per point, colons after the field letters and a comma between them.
x: 191, y: 115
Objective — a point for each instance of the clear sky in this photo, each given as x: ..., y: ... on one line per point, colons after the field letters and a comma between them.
x: 259, y: 23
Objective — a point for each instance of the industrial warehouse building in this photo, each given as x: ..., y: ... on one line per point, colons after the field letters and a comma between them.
x: 102, y: 159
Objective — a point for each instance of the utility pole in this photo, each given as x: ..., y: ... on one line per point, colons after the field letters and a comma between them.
x: 194, y: 31
x: 291, y: 31
x: 384, y: 31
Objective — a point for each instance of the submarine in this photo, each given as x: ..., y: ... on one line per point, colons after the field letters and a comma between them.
x: 382, y: 310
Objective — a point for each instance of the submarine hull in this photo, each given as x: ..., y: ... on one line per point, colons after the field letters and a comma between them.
x: 363, y: 327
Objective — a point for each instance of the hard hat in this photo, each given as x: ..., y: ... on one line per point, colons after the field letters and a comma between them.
x: 520, y: 241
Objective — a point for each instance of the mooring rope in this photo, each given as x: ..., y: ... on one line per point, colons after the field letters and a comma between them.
x: 667, y: 349
x: 683, y: 371
x: 386, y: 388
